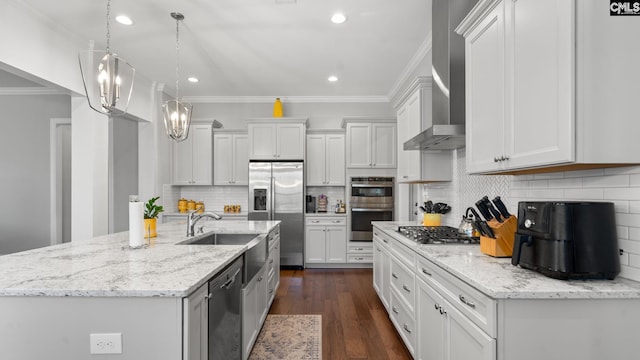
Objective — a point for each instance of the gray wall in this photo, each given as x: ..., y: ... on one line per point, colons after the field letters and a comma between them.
x: 24, y: 169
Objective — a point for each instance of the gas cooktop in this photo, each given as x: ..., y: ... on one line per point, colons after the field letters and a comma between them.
x: 436, y: 235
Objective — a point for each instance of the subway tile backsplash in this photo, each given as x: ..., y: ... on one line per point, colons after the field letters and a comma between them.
x: 214, y: 197
x: 618, y: 185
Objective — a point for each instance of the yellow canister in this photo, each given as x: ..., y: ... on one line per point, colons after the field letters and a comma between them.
x: 431, y: 219
x: 182, y: 205
x: 191, y: 205
x: 200, y: 206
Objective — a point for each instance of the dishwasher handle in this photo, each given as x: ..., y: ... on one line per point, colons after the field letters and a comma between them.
x: 230, y: 282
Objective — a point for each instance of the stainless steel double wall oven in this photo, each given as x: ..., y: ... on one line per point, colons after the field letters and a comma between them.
x: 371, y: 200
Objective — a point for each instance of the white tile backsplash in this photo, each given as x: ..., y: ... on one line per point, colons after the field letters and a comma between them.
x: 214, y: 197
x: 618, y: 185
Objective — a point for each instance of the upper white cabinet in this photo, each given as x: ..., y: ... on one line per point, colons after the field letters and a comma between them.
x: 192, y: 158
x: 371, y: 143
x: 543, y: 96
x: 277, y: 138
x: 325, y: 159
x: 414, y: 114
x: 230, y: 158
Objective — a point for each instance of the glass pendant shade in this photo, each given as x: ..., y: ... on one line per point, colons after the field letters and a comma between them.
x: 177, y: 119
x: 108, y: 81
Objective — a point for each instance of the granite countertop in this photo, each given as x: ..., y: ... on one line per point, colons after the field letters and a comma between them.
x: 106, y: 266
x: 497, y: 278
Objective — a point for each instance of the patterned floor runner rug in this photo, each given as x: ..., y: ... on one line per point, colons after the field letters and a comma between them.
x: 289, y: 337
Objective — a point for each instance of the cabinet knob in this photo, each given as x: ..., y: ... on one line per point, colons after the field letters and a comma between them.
x: 442, y: 311
x: 406, y: 288
x: 436, y: 306
x: 495, y: 159
x: 394, y: 276
x: 406, y: 328
x: 393, y: 308
x: 424, y: 271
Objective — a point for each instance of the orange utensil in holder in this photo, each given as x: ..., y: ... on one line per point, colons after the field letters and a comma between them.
x: 502, y: 245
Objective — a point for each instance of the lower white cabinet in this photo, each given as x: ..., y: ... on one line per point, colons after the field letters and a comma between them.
x: 325, y: 240
x: 196, y: 324
x: 447, y: 334
x: 259, y: 293
x: 381, y: 267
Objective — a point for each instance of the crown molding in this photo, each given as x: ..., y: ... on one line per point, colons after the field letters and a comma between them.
x: 31, y: 91
x: 419, y: 82
x: 289, y: 99
x: 417, y: 58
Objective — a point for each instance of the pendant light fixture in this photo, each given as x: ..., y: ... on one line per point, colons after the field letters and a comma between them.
x: 107, y: 78
x: 177, y: 114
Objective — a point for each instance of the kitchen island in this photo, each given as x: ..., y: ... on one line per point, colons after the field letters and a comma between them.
x: 453, y: 302
x: 52, y: 298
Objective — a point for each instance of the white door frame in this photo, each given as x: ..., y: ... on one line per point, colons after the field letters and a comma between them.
x: 54, y: 152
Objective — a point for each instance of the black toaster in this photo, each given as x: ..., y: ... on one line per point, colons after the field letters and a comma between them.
x: 567, y: 240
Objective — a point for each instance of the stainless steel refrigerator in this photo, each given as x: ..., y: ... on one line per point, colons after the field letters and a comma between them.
x: 276, y: 192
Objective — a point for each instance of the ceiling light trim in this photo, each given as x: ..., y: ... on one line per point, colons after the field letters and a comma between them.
x: 289, y: 99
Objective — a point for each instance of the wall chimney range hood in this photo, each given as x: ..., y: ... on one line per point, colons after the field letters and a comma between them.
x: 447, y: 131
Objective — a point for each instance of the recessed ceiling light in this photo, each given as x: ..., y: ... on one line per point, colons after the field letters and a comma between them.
x: 124, y: 20
x: 332, y: 78
x: 193, y: 79
x: 338, y: 18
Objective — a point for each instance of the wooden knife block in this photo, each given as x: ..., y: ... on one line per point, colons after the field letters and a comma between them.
x: 502, y: 245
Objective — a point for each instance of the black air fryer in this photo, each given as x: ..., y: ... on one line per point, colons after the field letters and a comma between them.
x: 567, y: 240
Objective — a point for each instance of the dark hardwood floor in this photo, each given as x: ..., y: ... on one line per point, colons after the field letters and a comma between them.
x: 355, y: 324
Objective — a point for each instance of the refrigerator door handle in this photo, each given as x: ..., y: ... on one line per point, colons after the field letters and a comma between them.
x: 273, y: 199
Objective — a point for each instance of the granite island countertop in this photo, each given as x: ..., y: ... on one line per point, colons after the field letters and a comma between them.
x: 106, y: 266
x: 497, y: 278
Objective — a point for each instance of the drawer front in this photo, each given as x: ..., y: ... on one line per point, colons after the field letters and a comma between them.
x: 479, y: 308
x: 403, y: 281
x: 360, y: 258
x: 385, y: 240
x: 365, y: 248
x: 404, y: 254
x: 326, y: 221
x: 404, y: 322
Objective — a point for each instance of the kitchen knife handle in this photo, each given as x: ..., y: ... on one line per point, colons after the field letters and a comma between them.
x: 501, y: 207
x: 483, y: 210
x: 495, y: 213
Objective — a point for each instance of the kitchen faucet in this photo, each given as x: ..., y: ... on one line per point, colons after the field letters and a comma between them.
x: 193, y: 219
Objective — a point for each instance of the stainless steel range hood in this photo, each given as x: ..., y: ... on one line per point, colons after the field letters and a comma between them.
x: 447, y: 131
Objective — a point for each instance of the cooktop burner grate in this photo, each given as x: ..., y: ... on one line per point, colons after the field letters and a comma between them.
x: 436, y: 235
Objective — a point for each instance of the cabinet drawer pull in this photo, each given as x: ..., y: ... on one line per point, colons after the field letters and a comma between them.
x: 436, y: 306
x: 442, y: 311
x: 359, y: 249
x: 393, y: 308
x: 406, y: 288
x: 271, y: 261
x: 360, y: 258
x: 406, y: 328
x: 467, y: 302
x: 385, y: 241
x: 394, y: 276
x: 315, y: 221
x: 260, y: 279
x: 337, y: 221
x: 424, y: 271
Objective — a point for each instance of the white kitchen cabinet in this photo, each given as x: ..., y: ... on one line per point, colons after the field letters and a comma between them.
x: 371, y: 143
x: 196, y: 324
x: 230, y: 158
x: 413, y: 111
x: 325, y: 159
x: 447, y: 334
x: 277, y: 138
x: 192, y: 158
x: 274, y: 265
x: 325, y: 240
x: 253, y: 304
x: 381, y: 267
x: 540, y: 97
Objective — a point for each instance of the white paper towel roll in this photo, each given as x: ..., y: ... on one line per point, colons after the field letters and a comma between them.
x: 136, y: 224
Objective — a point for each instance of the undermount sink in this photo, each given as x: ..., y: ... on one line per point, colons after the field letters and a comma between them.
x: 220, y: 239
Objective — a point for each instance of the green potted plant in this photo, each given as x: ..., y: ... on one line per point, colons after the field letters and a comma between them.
x: 151, y: 212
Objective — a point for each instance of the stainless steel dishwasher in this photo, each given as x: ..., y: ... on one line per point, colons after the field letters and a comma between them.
x: 225, y: 313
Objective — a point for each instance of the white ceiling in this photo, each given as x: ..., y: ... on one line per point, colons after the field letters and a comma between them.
x: 258, y: 47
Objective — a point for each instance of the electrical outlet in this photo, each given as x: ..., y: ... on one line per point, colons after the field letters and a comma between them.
x: 106, y: 343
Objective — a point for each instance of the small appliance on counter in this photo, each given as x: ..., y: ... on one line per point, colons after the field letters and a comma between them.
x: 322, y: 203
x: 567, y: 240
x: 311, y: 204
